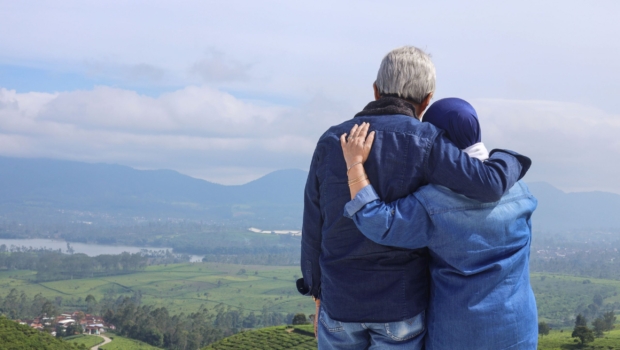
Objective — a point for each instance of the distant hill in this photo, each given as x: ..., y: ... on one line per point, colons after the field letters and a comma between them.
x: 38, y: 187
x: 559, y: 211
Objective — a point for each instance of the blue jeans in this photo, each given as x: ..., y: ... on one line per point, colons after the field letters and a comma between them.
x: 336, y: 335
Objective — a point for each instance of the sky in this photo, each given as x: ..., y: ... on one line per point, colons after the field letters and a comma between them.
x: 230, y: 91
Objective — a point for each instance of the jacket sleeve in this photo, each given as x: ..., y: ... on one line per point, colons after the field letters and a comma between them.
x: 311, y: 235
x: 486, y: 181
x: 403, y: 223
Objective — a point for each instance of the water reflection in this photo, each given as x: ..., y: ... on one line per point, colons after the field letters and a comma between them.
x: 85, y: 248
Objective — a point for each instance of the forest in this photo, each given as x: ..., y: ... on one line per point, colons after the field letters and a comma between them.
x: 158, y: 327
x: 52, y: 265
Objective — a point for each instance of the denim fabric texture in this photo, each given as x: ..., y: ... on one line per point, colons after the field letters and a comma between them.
x: 405, y: 335
x: 481, y: 296
x: 356, y: 279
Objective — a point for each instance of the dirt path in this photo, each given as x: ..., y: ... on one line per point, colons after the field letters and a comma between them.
x: 105, y: 341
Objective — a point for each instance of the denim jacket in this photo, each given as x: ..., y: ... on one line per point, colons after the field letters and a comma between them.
x: 481, y: 296
x: 356, y: 279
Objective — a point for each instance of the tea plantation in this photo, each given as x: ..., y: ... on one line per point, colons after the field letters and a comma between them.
x: 281, y: 337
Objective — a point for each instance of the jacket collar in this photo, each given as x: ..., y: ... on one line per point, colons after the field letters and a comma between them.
x: 388, y: 106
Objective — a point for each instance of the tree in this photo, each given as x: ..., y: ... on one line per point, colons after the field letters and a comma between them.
x: 300, y: 319
x: 610, y: 319
x: 49, y: 309
x: 543, y: 328
x: 584, y: 334
x: 9, y: 307
x: 60, y: 331
x: 581, y: 321
x: 598, y: 299
x: 91, y: 302
x: 582, y: 331
x: 90, y: 299
x: 73, y: 329
x: 599, y: 327
x: 79, y: 316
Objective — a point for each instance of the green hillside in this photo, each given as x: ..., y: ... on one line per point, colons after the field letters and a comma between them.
x: 281, y: 337
x: 15, y: 336
x: 180, y: 287
x: 88, y: 340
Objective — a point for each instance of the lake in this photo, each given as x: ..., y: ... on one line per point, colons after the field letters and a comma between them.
x: 85, y: 248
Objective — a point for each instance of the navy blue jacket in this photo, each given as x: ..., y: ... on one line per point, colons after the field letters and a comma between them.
x: 356, y: 279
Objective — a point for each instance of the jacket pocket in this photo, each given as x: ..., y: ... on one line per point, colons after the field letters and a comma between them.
x: 406, y: 329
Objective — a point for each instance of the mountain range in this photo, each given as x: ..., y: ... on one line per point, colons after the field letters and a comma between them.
x: 273, y: 201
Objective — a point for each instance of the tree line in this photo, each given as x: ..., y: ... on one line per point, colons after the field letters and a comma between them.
x: 156, y: 326
x: 53, y: 265
x: 17, y: 305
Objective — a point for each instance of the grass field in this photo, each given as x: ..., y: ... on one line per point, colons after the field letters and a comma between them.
x: 122, y: 343
x: 88, y: 340
x: 297, y: 337
x: 557, y: 340
x: 182, y: 287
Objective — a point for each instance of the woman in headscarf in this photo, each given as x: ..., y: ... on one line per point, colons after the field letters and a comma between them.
x: 481, y: 296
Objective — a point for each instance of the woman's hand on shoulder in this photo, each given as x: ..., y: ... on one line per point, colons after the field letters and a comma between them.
x: 357, y: 145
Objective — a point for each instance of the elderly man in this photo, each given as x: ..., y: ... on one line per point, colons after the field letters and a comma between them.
x: 374, y: 296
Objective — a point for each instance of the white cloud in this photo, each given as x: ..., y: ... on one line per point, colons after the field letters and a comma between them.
x: 207, y: 133
x: 573, y: 146
x: 194, y: 125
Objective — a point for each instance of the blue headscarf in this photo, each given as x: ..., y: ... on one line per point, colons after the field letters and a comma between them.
x: 458, y: 119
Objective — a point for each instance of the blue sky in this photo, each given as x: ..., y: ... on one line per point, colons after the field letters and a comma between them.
x: 229, y: 91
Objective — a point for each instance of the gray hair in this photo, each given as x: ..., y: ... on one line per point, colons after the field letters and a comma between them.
x: 406, y: 72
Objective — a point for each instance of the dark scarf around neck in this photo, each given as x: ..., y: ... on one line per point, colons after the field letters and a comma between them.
x: 388, y: 106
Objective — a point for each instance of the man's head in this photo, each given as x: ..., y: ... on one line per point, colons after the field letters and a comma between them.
x: 407, y: 73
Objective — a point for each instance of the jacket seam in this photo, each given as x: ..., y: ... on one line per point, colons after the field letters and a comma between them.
x: 423, y: 201
x: 404, y: 160
x: 476, y: 206
x: 427, y: 152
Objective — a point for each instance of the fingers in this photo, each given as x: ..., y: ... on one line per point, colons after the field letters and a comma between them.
x: 343, y: 140
x: 369, y: 140
x: 353, y: 132
x: 358, y: 133
x: 363, y: 130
